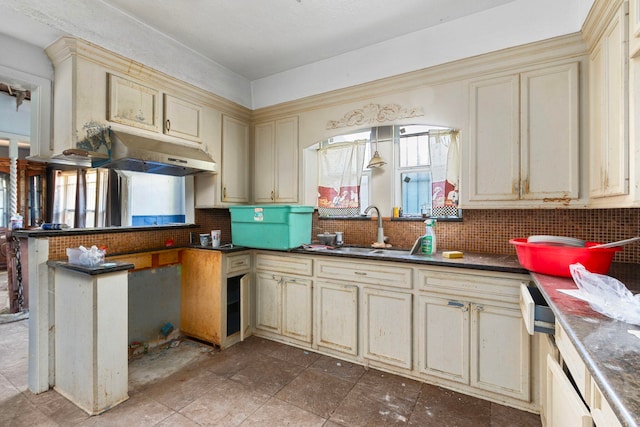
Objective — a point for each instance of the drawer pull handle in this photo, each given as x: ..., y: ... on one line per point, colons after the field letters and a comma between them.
x: 360, y: 273
x: 455, y: 304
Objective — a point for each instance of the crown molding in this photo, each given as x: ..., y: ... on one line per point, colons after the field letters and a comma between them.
x: 600, y: 15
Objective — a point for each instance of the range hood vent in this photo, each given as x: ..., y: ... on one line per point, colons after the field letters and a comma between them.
x: 137, y: 153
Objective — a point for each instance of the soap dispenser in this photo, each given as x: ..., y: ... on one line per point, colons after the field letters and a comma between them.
x: 428, y: 246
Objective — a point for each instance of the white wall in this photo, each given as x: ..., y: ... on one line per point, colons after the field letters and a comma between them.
x: 12, y: 121
x: 20, y: 56
x: 152, y: 195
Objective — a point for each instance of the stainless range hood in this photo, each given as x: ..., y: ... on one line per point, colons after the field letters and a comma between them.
x: 141, y: 154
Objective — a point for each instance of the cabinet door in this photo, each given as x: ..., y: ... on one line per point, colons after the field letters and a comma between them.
x: 336, y: 308
x: 245, y: 307
x: 494, y: 152
x: 235, y: 160
x: 201, y: 295
x: 564, y: 405
x: 550, y: 133
x: 263, y: 170
x: 268, y: 302
x: 387, y: 327
x: 500, y: 351
x: 182, y: 119
x: 286, y: 160
x: 443, y: 338
x: 609, y: 111
x: 296, y: 308
x: 133, y: 104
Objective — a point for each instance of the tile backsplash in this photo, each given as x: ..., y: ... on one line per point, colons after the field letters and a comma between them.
x: 482, y: 230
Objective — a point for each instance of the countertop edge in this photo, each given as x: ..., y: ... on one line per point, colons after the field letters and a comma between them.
x: 93, y: 271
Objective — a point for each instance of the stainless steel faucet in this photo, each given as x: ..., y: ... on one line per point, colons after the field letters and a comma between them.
x: 380, y: 230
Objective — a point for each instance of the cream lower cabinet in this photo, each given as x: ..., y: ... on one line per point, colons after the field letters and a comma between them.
x: 284, y: 300
x: 470, y: 331
x: 386, y: 308
x: 336, y: 317
x: 387, y: 327
x: 564, y: 406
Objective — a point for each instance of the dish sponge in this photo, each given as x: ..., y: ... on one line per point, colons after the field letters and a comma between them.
x: 452, y: 254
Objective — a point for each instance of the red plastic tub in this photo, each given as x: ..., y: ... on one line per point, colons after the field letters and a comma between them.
x: 555, y: 260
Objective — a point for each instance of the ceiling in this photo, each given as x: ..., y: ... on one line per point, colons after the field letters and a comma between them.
x: 264, y: 52
x: 258, y: 38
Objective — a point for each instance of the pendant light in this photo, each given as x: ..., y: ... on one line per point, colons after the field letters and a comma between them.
x: 377, y: 160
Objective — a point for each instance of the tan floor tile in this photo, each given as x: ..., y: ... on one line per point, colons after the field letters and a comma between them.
x: 177, y: 420
x: 229, y: 403
x: 57, y: 407
x: 315, y: 392
x: 181, y: 389
x: 277, y: 413
x: 18, y: 411
x: 137, y: 411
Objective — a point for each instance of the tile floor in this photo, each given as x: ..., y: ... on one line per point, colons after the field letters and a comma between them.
x: 255, y: 383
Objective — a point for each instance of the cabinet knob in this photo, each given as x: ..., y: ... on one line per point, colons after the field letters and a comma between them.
x: 224, y: 192
x: 360, y: 273
x: 168, y: 125
x: 273, y: 195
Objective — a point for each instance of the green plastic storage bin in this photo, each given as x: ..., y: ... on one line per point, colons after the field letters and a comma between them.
x: 271, y: 226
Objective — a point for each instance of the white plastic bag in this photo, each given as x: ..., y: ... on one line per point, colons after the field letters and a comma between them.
x: 607, y: 295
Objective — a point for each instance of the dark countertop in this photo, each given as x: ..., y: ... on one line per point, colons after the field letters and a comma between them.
x: 227, y: 248
x: 490, y: 262
x: 105, y: 268
x: 611, y: 354
x: 38, y: 232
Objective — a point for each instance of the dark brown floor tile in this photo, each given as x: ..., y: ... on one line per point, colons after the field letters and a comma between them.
x: 278, y: 413
x: 504, y: 416
x: 315, y: 392
x: 360, y: 409
x: 389, y: 387
x: 441, y: 407
x: 295, y: 355
x: 229, y: 403
x: 338, y: 368
x: 255, y: 344
x: 267, y: 375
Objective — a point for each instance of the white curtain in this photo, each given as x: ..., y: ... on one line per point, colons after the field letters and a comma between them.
x: 445, y: 172
x: 339, y: 173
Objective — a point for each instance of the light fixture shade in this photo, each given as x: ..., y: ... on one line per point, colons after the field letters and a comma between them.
x: 376, y: 161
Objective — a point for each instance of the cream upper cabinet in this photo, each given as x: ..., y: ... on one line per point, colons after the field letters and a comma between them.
x: 521, y: 127
x: 182, y: 119
x: 275, y: 175
x: 634, y: 28
x: 609, y: 115
x: 136, y: 104
x: 235, y: 161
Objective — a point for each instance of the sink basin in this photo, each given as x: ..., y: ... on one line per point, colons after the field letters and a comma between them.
x: 369, y: 251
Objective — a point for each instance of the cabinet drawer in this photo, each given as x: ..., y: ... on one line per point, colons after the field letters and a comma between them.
x: 536, y: 313
x: 236, y: 263
x: 284, y: 264
x: 574, y: 362
x: 492, y: 286
x: 169, y: 257
x: 138, y: 260
x: 375, y: 274
x: 601, y: 411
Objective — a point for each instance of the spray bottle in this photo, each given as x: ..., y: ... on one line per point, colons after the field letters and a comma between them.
x: 428, y: 246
